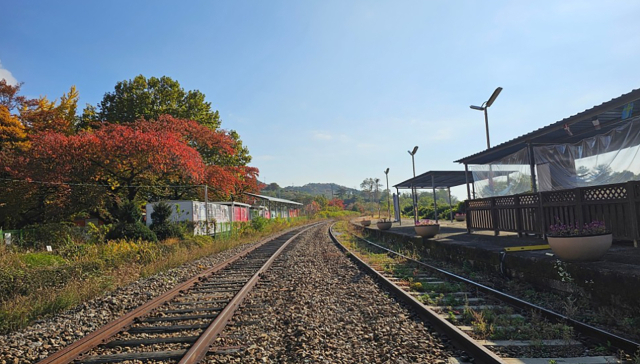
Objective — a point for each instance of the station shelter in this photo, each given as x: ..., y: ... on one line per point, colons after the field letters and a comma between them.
x: 272, y: 207
x: 434, y: 180
x: 583, y: 168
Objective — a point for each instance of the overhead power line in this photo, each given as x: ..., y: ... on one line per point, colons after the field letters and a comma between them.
x: 95, y: 184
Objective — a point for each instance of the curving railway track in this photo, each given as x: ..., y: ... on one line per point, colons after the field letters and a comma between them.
x: 491, y: 326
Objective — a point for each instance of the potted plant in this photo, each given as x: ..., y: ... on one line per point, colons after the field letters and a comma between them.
x: 580, y: 244
x: 384, y: 224
x: 427, y: 228
x: 460, y: 216
x: 365, y: 222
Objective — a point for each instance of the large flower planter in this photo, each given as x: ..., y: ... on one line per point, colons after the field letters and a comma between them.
x: 365, y: 222
x: 460, y: 217
x: 427, y: 231
x: 384, y: 225
x: 580, y: 248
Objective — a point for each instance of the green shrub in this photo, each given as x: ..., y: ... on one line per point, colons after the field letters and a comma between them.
x: 133, y: 231
x: 259, y: 223
x: 55, y: 235
x: 162, y: 225
x: 198, y: 240
x: 42, y: 259
x: 129, y: 225
x: 129, y: 212
x: 161, y: 213
x: 97, y: 234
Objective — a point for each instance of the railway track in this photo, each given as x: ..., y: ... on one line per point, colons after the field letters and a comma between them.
x: 181, y: 325
x: 492, y: 327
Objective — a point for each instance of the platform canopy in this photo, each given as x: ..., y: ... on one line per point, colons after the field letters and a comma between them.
x: 589, y: 123
x: 274, y: 199
x: 598, y: 146
x: 436, y: 179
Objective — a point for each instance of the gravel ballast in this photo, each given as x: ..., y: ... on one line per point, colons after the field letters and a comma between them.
x: 316, y: 306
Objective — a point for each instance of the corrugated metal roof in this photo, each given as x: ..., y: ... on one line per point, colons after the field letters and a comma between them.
x: 274, y: 199
x: 436, y: 179
x: 228, y: 203
x: 609, y: 114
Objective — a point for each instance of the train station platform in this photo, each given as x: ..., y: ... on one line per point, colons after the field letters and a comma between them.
x: 613, y: 278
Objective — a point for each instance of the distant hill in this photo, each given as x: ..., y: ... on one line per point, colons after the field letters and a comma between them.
x: 314, y: 189
x: 325, y: 189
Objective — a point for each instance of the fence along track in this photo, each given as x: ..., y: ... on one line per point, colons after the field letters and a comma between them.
x: 465, y: 341
x: 214, y: 295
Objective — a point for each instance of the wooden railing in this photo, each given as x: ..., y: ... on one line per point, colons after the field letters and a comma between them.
x: 532, y: 213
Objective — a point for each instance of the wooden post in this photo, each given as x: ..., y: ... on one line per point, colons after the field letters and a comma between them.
x: 532, y: 165
x: 435, y: 205
x: 466, y: 178
x: 468, y: 216
x: 579, y: 211
x: 494, y: 217
x: 206, y: 210
x: 450, y: 206
x: 632, y: 218
x: 394, y: 206
x: 540, y: 216
x: 473, y: 189
x: 518, y: 209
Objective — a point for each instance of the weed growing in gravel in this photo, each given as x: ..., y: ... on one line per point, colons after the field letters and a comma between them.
x: 636, y: 357
x: 481, y: 327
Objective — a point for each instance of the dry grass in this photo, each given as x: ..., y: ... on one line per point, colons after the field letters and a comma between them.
x: 47, y: 298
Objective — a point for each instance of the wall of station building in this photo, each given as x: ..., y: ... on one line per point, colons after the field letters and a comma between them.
x: 221, y: 215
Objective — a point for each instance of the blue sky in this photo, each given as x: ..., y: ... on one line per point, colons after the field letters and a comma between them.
x: 337, y: 91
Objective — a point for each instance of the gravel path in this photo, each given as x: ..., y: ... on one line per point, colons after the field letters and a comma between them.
x: 48, y: 336
x: 316, y: 306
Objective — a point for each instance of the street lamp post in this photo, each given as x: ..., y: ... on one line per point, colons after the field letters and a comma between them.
x: 386, y: 173
x: 484, y: 108
x: 413, y: 190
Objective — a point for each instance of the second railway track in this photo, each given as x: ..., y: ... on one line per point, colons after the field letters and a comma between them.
x: 491, y: 326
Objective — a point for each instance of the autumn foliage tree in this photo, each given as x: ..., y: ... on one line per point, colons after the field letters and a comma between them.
x: 52, y: 169
x: 336, y: 203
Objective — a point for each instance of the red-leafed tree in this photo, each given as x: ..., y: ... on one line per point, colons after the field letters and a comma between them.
x: 88, y: 171
x: 337, y: 203
x: 312, y: 208
x: 114, y: 162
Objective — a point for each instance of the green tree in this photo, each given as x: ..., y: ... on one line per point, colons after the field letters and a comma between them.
x: 149, y: 99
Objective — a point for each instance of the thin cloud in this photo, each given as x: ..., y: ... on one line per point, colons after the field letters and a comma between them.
x: 442, y: 134
x: 322, y: 135
x: 5, y: 74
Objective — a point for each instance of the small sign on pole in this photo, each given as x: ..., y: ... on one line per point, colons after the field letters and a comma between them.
x: 49, y: 248
x: 7, y: 238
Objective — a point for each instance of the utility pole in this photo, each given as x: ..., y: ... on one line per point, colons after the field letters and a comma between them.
x: 206, y: 209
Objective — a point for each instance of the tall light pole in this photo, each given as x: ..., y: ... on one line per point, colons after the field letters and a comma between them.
x: 484, y: 107
x: 413, y: 190
x: 386, y: 172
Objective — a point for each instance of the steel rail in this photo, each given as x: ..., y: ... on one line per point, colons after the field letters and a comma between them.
x: 73, y: 351
x: 463, y: 341
x: 200, y: 348
x: 619, y: 342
